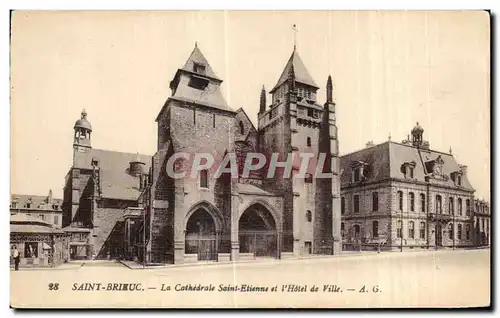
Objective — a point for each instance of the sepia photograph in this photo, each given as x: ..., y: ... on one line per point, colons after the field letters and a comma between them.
x: 250, y: 159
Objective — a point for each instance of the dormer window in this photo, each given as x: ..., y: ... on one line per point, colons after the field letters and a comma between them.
x: 408, y: 169
x: 356, y: 175
x: 359, y: 171
x: 14, y: 204
x: 457, y: 178
x: 199, y: 68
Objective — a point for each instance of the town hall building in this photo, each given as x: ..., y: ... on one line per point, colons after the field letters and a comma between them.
x: 127, y: 206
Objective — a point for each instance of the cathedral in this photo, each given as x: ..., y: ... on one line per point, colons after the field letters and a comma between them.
x: 123, y: 205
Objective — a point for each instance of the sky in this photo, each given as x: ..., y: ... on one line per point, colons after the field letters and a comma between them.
x: 389, y: 69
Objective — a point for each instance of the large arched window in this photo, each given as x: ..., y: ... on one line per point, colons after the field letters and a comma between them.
x: 467, y: 207
x: 400, y: 200
x: 399, y: 229
x: 450, y: 231
x: 204, y: 178
x: 411, y: 229
x: 459, y: 232
x: 451, y: 205
x: 459, y: 206
x: 412, y: 201
x: 422, y: 202
x: 422, y: 230
x: 438, y: 204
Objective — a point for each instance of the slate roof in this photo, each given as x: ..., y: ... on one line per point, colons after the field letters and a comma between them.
x: 37, y: 202
x: 198, y: 57
x: 116, y: 183
x: 384, y: 161
x: 210, y: 96
x: 301, y: 73
x: 21, y: 223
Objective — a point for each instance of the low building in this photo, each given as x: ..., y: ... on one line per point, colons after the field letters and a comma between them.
x: 482, y: 223
x: 405, y: 195
x: 45, y: 208
x: 39, y: 243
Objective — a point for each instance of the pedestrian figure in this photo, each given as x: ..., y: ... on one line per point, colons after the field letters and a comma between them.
x: 15, y: 256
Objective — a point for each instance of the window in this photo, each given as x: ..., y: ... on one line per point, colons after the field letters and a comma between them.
x: 450, y: 231
x: 31, y: 249
x: 451, y: 206
x: 309, y: 216
x: 342, y: 229
x: 356, y: 231
x: 400, y: 200
x: 342, y: 205
x: 422, y: 230
x: 300, y: 91
x: 309, y: 178
x: 308, y: 141
x: 56, y: 219
x: 410, y: 170
x: 467, y: 231
x: 356, y: 174
x: 422, y: 202
x: 375, y: 201
x: 459, y: 232
x: 198, y: 83
x: 412, y: 201
x: 375, y: 228
x: 467, y: 207
x: 42, y: 217
x: 459, y: 206
x: 459, y: 180
x: 204, y: 178
x: 356, y: 203
x: 14, y: 205
x: 411, y: 229
x: 438, y: 204
x: 199, y: 68
x: 213, y: 122
x: 242, y: 128
x: 399, y: 229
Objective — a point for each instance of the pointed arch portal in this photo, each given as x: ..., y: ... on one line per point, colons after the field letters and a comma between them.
x: 257, y: 232
x: 202, y: 235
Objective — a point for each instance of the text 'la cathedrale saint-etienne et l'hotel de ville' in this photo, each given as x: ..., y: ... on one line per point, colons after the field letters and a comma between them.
x: 386, y: 197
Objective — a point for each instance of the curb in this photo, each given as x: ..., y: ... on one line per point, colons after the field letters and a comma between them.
x: 48, y: 268
x: 292, y: 260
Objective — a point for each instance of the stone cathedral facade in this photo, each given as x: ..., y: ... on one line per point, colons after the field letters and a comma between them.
x: 123, y: 205
x: 227, y: 218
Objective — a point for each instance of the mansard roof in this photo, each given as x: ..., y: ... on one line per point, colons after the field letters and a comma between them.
x: 301, y: 73
x: 385, y: 161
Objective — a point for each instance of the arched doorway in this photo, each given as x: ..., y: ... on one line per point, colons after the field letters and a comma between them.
x: 201, y: 235
x: 257, y: 232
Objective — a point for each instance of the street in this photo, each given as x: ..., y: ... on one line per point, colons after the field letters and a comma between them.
x: 458, y: 278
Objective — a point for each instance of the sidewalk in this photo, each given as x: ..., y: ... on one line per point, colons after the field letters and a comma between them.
x: 344, y: 255
x: 64, y: 266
